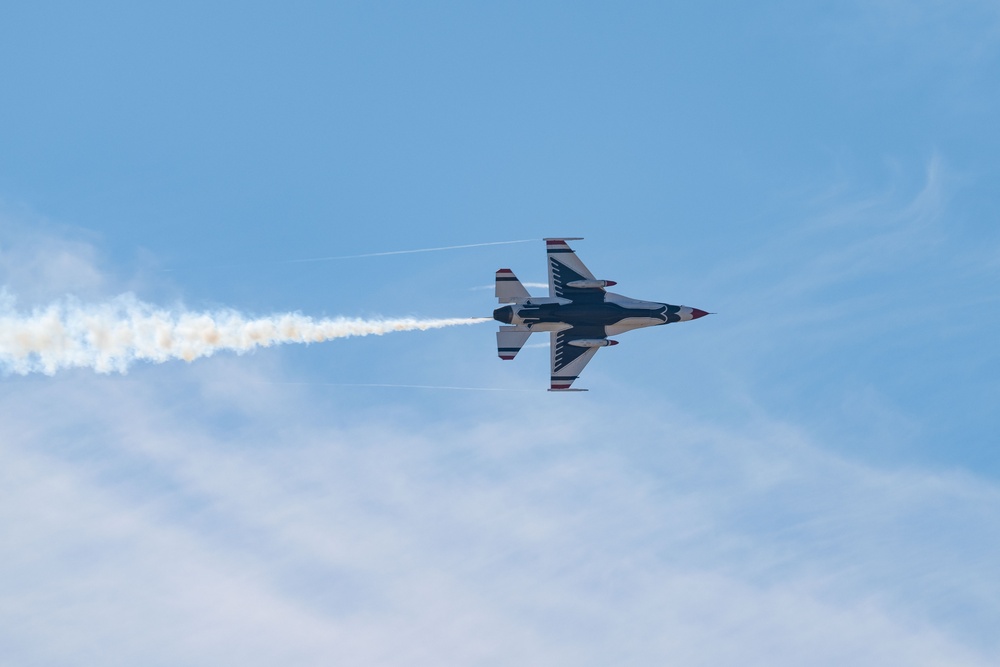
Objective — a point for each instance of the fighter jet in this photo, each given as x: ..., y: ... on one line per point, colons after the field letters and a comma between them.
x: 579, y: 314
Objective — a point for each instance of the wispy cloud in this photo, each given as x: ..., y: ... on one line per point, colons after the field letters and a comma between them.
x: 848, y: 238
x: 41, y: 262
x: 853, y: 265
x: 389, y: 542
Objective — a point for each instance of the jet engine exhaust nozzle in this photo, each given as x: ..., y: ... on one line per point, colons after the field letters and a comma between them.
x: 504, y: 315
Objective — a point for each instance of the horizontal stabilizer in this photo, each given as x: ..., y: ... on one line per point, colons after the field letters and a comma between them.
x: 510, y: 340
x: 508, y: 288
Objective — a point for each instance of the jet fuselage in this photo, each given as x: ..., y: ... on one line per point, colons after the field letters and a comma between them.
x: 615, y: 313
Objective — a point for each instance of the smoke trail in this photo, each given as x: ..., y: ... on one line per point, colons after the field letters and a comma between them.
x: 306, y: 260
x: 110, y: 337
x: 408, y: 252
x: 384, y: 385
x: 528, y: 284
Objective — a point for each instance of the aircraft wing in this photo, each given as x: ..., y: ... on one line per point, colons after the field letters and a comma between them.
x: 565, y: 267
x: 567, y: 361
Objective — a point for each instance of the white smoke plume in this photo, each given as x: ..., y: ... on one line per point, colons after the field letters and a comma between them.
x: 111, y: 336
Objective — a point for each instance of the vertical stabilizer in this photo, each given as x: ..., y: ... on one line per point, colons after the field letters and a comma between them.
x: 508, y: 288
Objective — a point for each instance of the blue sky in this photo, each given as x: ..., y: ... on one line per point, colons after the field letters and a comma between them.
x: 809, y: 476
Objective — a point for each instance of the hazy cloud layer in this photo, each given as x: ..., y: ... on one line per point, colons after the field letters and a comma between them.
x: 138, y: 530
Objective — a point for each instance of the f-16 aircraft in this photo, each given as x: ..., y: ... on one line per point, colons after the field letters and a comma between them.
x: 579, y: 314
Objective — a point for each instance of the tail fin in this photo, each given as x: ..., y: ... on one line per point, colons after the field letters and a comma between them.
x: 509, y: 289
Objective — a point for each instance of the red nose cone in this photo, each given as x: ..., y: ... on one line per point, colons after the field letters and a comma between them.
x: 697, y: 312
